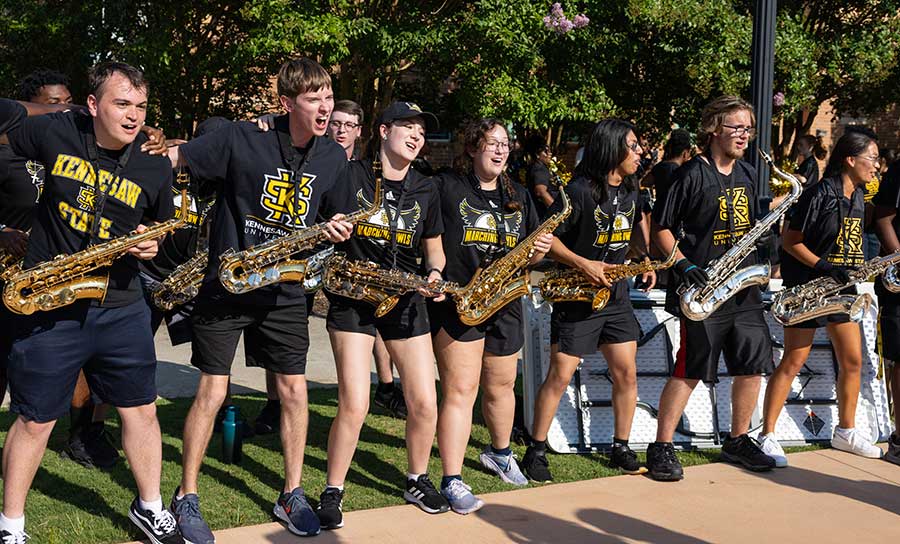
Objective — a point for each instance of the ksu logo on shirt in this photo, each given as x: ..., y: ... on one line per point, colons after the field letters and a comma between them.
x: 740, y: 205
x: 620, y: 235
x: 377, y: 228
x: 848, y: 248
x: 278, y: 199
x: 480, y: 227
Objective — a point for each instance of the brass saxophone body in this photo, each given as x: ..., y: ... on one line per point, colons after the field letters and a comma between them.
x: 66, y: 278
x: 9, y: 265
x: 183, y: 283
x: 822, y: 296
x: 505, y: 279
x: 574, y: 286
x: 725, y: 277
x: 366, y: 281
x: 271, y: 262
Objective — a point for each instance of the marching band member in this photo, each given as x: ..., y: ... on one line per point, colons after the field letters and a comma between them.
x: 84, y: 155
x: 268, y: 185
x: 596, y: 235
x: 827, y: 221
x: 713, y: 198
x: 485, y: 215
x: 408, y: 227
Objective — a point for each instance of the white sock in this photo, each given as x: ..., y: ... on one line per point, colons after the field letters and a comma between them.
x: 155, y: 506
x: 13, y: 525
x: 338, y: 487
x: 410, y: 476
x: 843, y: 433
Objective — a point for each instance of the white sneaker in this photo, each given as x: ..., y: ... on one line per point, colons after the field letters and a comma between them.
x: 770, y: 446
x: 857, y: 444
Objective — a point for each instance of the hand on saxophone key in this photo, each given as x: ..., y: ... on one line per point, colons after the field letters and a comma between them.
x: 434, y: 276
x: 13, y: 241
x: 542, y: 243
x: 691, y: 274
x: 596, y: 272
x: 840, y: 274
x: 648, y: 280
x: 147, y: 249
x: 337, y: 229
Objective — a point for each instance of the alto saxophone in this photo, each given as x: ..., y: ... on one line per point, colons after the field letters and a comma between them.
x: 361, y: 280
x: 65, y: 279
x: 506, y: 278
x: 725, y: 278
x: 270, y: 262
x: 821, y: 296
x: 9, y: 265
x: 890, y: 279
x: 183, y: 283
x: 571, y: 285
x: 315, y: 269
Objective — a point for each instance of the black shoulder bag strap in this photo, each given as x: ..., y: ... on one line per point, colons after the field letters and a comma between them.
x: 100, y: 194
x: 296, y: 164
x: 499, y: 217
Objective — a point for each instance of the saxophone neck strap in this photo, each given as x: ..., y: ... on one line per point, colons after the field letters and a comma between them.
x: 100, y: 193
x: 728, y: 194
x: 500, y: 245
x: 394, y: 218
x: 294, y: 159
x: 616, y: 202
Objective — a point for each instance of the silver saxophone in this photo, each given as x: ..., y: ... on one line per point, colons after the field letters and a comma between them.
x: 891, y: 279
x: 725, y: 278
x: 315, y: 267
x: 822, y: 296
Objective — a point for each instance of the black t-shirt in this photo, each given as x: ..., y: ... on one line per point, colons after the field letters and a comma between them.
x: 539, y: 174
x: 818, y: 216
x: 255, y: 198
x: 420, y: 216
x: 697, y: 204
x: 809, y: 169
x: 21, y: 181
x: 662, y: 178
x: 600, y: 232
x: 65, y: 214
x: 470, y: 216
x: 888, y: 196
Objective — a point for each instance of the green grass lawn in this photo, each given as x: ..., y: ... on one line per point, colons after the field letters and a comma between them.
x: 71, y: 504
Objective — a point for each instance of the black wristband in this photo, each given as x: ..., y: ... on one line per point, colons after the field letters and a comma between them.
x: 435, y: 269
x: 823, y: 265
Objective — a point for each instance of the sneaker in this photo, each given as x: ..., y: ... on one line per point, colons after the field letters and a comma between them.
x: 460, y: 497
x: 745, y: 451
x: 422, y: 493
x: 623, y: 458
x: 191, y: 525
x: 857, y: 444
x: 770, y: 446
x: 504, y: 466
x: 269, y: 419
x: 662, y: 463
x: 330, y: 509
x: 893, y: 452
x: 160, y: 528
x: 88, y: 453
x: 293, y: 509
x: 393, y: 401
x: 536, y: 466
x: 99, y: 445
x: 16, y: 537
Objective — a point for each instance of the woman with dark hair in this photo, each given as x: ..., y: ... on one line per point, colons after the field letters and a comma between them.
x: 485, y: 216
x: 406, y: 229
x: 594, y: 237
x: 809, y: 148
x: 827, y: 221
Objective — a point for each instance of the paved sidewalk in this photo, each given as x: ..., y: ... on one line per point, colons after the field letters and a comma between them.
x: 824, y: 496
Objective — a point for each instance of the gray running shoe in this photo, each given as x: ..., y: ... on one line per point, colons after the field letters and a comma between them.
x: 460, y: 497
x: 504, y: 466
x: 190, y: 521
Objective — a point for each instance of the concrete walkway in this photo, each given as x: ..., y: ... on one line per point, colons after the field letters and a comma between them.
x: 823, y: 497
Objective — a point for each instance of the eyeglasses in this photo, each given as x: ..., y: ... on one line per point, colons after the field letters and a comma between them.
x: 348, y: 125
x: 493, y: 145
x: 636, y: 147
x: 740, y: 131
x: 873, y: 160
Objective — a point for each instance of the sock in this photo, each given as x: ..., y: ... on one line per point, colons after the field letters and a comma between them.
x: 178, y: 496
x: 540, y: 446
x: 502, y: 451
x: 154, y: 506
x: 81, y: 419
x: 413, y: 477
x: 843, y: 433
x: 385, y: 387
x: 445, y: 481
x: 338, y: 487
x: 619, y: 442
x: 13, y: 525
x: 273, y: 403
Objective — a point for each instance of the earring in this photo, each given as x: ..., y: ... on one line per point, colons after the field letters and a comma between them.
x: 384, y: 137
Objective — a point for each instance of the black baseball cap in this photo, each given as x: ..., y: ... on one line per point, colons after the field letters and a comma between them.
x: 408, y: 110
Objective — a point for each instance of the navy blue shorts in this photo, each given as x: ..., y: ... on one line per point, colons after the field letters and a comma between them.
x: 114, y: 346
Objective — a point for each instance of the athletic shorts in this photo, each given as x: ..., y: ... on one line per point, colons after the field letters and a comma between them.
x: 889, y: 332
x: 275, y: 337
x: 114, y: 346
x: 178, y: 319
x: 578, y: 330
x: 818, y: 322
x: 742, y: 337
x: 408, y: 319
x: 503, y: 332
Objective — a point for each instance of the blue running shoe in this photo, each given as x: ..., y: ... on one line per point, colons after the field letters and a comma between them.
x: 460, y: 497
x: 190, y: 521
x: 504, y: 466
x: 293, y: 509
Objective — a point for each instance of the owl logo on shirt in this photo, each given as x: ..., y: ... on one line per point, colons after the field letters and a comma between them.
x: 36, y: 171
x: 480, y: 227
x: 279, y: 199
x: 378, y: 227
x: 620, y: 235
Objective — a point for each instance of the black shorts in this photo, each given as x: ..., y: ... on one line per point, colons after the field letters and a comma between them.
x: 889, y: 332
x: 743, y: 338
x: 408, y: 319
x: 275, y: 337
x: 503, y: 332
x: 113, y: 346
x: 818, y: 322
x: 578, y: 330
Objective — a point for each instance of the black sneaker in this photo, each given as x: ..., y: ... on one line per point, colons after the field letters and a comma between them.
x: 330, y: 509
x: 536, y: 466
x: 159, y: 528
x: 745, y: 451
x: 293, y: 509
x: 422, y: 493
x: 623, y: 458
x: 89, y: 453
x: 393, y: 402
x: 15, y: 537
x: 662, y: 463
x: 99, y: 445
x: 269, y: 419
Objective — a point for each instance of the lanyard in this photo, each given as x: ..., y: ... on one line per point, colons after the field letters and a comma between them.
x: 394, y: 218
x: 500, y: 246
x: 841, y: 232
x: 90, y: 142
x: 295, y: 162
x: 729, y: 196
x: 612, y: 222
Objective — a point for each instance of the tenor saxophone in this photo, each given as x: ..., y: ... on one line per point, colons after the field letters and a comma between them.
x: 725, y: 278
x: 270, y: 262
x: 65, y: 279
x: 366, y: 281
x: 9, y: 265
x: 183, y: 283
x: 571, y: 285
x: 506, y: 278
x: 821, y: 296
